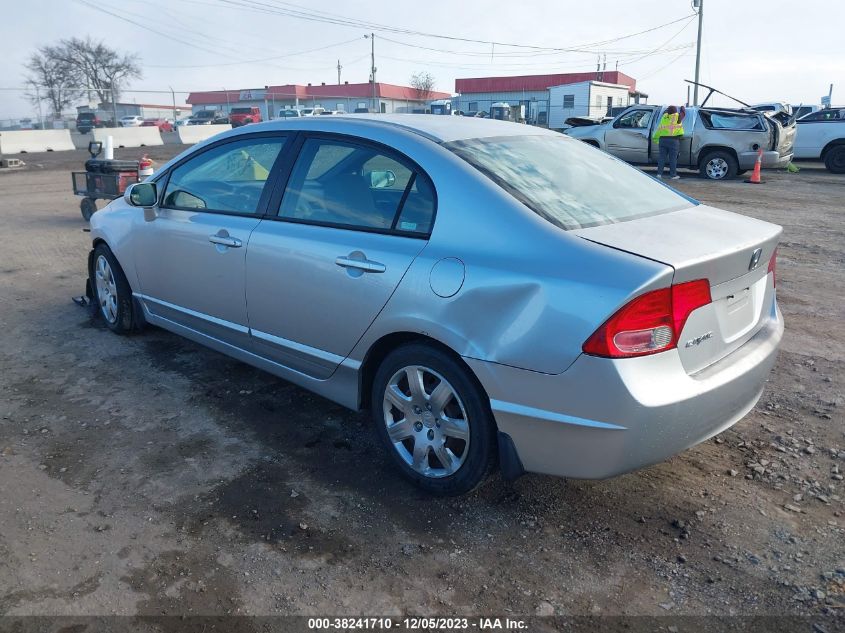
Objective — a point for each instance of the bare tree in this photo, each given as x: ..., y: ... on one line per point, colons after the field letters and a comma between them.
x: 101, y: 68
x: 423, y: 84
x: 52, y: 79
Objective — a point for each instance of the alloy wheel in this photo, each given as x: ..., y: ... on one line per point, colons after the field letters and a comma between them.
x: 106, y: 289
x: 426, y: 421
x: 717, y: 168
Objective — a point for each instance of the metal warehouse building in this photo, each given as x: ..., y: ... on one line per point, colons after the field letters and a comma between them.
x: 346, y: 97
x: 550, y: 99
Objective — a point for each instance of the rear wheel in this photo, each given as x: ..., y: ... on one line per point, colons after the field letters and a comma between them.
x: 433, y: 420
x: 834, y: 159
x: 718, y: 165
x: 88, y: 207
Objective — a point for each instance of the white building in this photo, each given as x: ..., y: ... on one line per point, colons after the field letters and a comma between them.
x: 592, y: 99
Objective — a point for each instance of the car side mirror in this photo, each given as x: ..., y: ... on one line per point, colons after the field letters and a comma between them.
x: 381, y: 179
x: 141, y: 194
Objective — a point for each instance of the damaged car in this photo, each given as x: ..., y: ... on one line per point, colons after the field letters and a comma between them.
x: 494, y: 293
x: 718, y: 142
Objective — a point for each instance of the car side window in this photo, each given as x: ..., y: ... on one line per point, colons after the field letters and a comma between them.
x: 638, y: 119
x: 357, y: 186
x: 824, y: 115
x: 229, y: 178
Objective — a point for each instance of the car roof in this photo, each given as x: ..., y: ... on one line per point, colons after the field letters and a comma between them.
x: 439, y: 128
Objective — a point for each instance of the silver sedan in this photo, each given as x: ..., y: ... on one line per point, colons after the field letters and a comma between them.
x: 493, y: 292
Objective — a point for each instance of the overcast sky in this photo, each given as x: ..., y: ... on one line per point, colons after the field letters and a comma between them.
x: 757, y: 51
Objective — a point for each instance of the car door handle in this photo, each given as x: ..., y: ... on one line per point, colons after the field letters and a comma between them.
x: 225, y: 240
x: 366, y: 265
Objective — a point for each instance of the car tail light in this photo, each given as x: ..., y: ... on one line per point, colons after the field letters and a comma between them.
x: 650, y: 323
x: 773, y: 264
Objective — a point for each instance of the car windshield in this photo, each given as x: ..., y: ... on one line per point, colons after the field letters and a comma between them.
x: 567, y: 182
x: 241, y: 110
x: 205, y: 114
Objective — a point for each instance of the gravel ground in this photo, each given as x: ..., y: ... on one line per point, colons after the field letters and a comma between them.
x: 147, y: 475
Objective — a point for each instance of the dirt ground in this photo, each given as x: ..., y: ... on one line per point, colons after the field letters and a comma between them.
x: 148, y: 475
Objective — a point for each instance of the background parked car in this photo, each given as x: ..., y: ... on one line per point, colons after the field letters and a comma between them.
x: 821, y: 135
x: 86, y: 121
x: 208, y: 117
x: 162, y: 124
x: 244, y: 116
x: 289, y: 113
x: 719, y: 142
x: 317, y: 111
x: 130, y: 121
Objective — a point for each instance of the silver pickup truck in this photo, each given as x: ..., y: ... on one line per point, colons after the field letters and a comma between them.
x: 719, y: 142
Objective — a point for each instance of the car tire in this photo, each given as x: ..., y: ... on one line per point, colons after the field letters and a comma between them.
x: 418, y: 426
x: 834, y: 159
x: 111, y: 291
x: 718, y: 165
x: 88, y: 207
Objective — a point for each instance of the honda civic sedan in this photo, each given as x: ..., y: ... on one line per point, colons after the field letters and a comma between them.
x: 496, y: 294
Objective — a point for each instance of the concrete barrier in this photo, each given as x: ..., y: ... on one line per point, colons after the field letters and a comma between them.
x: 129, y: 136
x: 80, y: 141
x: 23, y: 141
x: 190, y: 134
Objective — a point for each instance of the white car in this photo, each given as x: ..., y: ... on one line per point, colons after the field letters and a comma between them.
x: 821, y: 136
x: 312, y: 111
x: 130, y: 121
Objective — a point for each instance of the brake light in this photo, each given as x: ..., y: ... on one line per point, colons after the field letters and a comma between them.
x: 650, y: 323
x: 773, y: 263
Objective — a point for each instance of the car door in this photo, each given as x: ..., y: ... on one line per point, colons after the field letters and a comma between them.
x: 350, y: 221
x: 629, y: 136
x: 190, y: 249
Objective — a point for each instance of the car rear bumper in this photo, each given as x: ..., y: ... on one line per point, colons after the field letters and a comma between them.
x: 604, y: 417
x: 771, y: 160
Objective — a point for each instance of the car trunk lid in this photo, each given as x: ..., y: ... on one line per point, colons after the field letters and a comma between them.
x: 731, y: 251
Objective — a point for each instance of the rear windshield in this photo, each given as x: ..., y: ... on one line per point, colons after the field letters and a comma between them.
x: 241, y: 110
x: 567, y: 182
x: 205, y: 114
x: 85, y: 115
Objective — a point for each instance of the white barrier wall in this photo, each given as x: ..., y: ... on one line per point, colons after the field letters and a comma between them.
x: 22, y: 141
x: 129, y: 136
x: 190, y: 134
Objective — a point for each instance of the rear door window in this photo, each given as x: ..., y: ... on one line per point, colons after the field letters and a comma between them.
x: 351, y: 185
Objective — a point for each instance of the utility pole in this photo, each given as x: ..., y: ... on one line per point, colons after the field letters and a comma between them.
x: 173, y: 97
x: 338, y: 72
x: 41, y: 112
x: 699, y: 4
x: 372, y: 38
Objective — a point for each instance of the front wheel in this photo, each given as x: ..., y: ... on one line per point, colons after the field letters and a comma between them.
x: 834, y: 159
x: 112, y: 291
x: 433, y: 420
x: 719, y: 165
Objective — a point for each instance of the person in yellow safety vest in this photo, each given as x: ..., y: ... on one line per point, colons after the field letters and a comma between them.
x: 668, y: 138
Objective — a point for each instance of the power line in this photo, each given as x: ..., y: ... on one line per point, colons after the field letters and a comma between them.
x: 329, y: 18
x: 256, y: 61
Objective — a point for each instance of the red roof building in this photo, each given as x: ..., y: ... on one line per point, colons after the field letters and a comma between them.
x: 307, y: 93
x: 539, y: 82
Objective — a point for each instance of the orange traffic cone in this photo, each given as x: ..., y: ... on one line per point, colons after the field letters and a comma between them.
x: 755, y: 175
